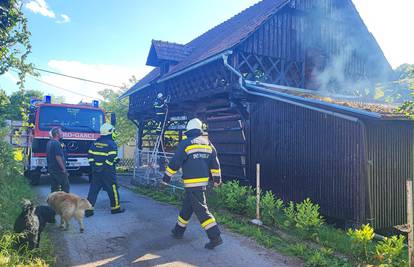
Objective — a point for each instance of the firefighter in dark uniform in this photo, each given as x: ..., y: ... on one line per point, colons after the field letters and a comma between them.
x: 198, y: 159
x: 160, y: 108
x: 102, y: 157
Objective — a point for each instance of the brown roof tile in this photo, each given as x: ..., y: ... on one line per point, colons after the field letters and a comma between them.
x: 220, y: 38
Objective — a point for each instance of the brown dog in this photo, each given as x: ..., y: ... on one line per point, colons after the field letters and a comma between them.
x: 68, y: 206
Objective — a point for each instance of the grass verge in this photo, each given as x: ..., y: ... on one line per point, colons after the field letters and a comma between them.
x: 285, y: 244
x: 13, y: 188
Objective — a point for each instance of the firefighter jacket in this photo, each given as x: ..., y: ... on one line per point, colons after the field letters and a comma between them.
x: 102, y: 155
x: 160, y: 107
x: 198, y: 159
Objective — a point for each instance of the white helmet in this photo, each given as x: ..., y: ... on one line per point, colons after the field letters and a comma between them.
x: 107, y: 129
x: 194, y: 124
x: 160, y: 95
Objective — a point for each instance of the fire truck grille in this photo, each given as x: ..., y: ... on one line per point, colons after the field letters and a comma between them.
x: 72, y: 146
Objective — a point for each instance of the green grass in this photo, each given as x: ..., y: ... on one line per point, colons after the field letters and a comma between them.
x: 286, y: 244
x: 13, y: 188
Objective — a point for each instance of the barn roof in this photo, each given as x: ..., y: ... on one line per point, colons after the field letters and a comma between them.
x: 166, y: 51
x: 216, y: 40
x: 219, y: 39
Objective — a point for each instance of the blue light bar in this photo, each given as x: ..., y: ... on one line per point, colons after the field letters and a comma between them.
x: 48, y: 99
x: 95, y: 103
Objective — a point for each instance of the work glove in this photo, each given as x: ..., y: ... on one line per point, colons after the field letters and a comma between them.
x: 166, y: 178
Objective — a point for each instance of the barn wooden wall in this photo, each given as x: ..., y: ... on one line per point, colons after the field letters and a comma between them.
x: 312, y: 35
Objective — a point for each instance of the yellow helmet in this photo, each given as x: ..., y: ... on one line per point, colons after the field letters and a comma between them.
x: 107, y: 129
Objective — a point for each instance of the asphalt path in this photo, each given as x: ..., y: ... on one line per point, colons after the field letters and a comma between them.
x: 141, y: 237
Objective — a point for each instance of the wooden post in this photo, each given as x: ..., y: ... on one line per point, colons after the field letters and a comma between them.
x: 410, y: 223
x: 257, y: 221
x: 258, y: 191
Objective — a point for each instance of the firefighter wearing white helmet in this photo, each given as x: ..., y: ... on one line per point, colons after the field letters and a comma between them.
x: 160, y: 109
x: 197, y: 158
x: 107, y: 129
x: 102, y: 157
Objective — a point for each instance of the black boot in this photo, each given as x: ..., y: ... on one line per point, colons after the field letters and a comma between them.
x: 116, y: 211
x: 176, y: 235
x: 214, y: 242
x: 88, y: 213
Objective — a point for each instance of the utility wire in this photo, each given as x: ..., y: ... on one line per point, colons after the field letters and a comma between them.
x: 64, y: 89
x: 77, y: 78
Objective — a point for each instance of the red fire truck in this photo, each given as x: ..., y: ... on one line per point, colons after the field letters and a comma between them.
x: 80, y: 125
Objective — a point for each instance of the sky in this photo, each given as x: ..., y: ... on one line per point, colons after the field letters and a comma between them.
x: 108, y: 41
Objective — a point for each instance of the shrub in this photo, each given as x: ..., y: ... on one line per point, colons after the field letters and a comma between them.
x: 268, y: 208
x: 234, y: 196
x: 13, y: 188
x: 307, y: 215
x: 390, y: 251
x: 304, y: 216
x: 361, y: 240
x: 289, y: 212
x: 251, y: 206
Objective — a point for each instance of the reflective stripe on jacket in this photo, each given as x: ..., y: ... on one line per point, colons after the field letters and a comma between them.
x: 103, y: 153
x: 159, y: 107
x: 198, y: 159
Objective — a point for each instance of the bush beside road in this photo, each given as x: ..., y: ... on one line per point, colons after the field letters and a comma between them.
x: 13, y: 188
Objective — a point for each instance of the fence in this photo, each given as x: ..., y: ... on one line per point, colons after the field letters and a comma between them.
x: 147, y: 168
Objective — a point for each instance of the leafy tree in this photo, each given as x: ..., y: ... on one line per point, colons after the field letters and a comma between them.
x: 19, y: 103
x: 405, y: 74
x: 405, y: 71
x: 4, y: 106
x: 111, y: 103
x: 14, y: 39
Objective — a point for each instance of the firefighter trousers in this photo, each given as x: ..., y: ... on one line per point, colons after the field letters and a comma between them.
x: 195, y: 201
x: 59, y: 181
x: 106, y: 181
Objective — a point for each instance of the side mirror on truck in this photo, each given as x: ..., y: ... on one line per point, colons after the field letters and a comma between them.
x: 113, y: 118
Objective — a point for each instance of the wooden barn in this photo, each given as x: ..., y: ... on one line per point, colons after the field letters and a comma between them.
x: 260, y: 81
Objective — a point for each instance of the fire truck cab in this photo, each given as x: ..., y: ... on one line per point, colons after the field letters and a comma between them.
x: 80, y: 125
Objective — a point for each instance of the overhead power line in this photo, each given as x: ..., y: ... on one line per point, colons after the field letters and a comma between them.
x: 64, y: 89
x: 77, y: 78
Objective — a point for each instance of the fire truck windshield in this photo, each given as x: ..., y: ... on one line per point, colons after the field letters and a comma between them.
x: 71, y: 119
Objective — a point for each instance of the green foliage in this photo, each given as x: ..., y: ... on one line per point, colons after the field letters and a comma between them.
x: 290, y: 214
x: 405, y: 74
x: 234, y: 196
x: 251, y: 206
x: 307, y: 215
x: 317, y: 257
x: 390, y: 251
x: 304, y: 216
x: 306, y: 222
x: 405, y: 71
x: 111, y: 103
x: 19, y: 104
x: 13, y: 188
x: 24, y: 257
x: 14, y: 39
x: 268, y: 208
x: 4, y: 105
x: 361, y: 241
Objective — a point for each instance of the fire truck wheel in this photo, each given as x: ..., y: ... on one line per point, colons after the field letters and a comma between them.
x: 34, y: 178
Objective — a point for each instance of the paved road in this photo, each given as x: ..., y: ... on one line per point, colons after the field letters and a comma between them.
x: 140, y: 237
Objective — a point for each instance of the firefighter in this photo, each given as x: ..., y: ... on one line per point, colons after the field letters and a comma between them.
x: 102, y: 157
x: 198, y: 159
x: 160, y: 108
